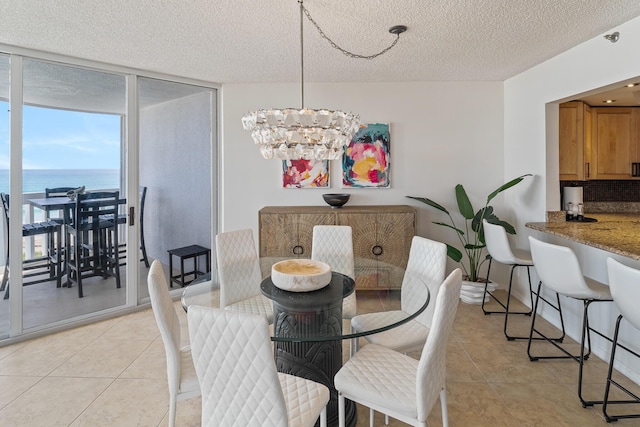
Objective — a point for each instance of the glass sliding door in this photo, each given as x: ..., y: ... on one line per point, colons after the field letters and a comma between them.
x: 176, y: 136
x: 72, y: 138
x: 4, y: 186
x: 78, y: 126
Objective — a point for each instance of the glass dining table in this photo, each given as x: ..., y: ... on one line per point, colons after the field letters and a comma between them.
x: 308, y: 326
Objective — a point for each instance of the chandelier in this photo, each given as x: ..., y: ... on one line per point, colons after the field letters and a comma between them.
x: 304, y: 133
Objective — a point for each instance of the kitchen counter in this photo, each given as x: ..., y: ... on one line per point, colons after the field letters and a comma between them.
x: 617, y: 233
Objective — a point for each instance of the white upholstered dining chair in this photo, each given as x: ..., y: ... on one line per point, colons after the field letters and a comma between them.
x: 426, y: 265
x: 333, y: 245
x: 237, y: 373
x: 398, y: 385
x: 240, y: 275
x: 181, y: 375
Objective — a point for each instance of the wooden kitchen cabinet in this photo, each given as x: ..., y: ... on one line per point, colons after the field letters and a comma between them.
x: 615, y: 141
x: 381, y: 237
x: 575, y: 141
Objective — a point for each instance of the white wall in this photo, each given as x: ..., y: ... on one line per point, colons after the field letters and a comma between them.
x: 530, y: 139
x: 442, y: 134
x: 175, y: 147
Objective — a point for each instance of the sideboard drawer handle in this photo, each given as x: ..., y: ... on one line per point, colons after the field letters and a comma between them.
x: 377, y: 250
x: 298, y: 250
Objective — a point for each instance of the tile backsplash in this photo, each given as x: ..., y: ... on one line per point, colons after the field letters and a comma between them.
x: 607, y: 191
x: 609, y: 195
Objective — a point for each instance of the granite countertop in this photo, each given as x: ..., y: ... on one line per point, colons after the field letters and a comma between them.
x: 618, y: 233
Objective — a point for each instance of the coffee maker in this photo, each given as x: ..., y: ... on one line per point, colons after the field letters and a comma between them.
x: 573, y: 204
x: 573, y: 200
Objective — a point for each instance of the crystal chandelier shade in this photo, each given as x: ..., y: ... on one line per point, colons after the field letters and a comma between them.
x: 301, y: 133
x: 305, y: 133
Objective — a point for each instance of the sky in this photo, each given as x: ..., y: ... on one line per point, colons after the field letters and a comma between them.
x: 62, y: 139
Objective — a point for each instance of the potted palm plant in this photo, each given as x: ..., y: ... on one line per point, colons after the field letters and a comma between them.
x: 471, y: 234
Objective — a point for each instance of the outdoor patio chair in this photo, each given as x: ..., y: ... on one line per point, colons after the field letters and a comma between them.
x: 92, y: 238
x: 48, y: 263
x: 122, y: 219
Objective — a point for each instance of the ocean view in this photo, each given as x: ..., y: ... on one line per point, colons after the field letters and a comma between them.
x: 36, y: 180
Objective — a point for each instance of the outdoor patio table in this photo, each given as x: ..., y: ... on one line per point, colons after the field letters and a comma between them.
x: 64, y: 204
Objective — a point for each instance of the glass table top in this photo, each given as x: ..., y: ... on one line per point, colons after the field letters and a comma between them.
x: 204, y: 291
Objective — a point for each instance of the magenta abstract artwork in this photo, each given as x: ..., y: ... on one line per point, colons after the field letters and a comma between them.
x: 365, y: 163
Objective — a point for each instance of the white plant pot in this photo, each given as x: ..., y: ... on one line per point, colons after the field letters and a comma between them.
x: 472, y: 292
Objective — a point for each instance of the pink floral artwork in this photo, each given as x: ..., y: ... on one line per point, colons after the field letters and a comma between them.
x: 305, y: 174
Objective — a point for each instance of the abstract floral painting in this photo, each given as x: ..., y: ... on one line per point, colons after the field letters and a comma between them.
x: 365, y: 163
x: 305, y: 174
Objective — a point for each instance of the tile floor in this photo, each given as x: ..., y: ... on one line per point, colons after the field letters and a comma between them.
x: 113, y: 373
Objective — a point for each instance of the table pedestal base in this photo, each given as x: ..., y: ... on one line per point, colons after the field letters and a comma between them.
x: 316, y: 361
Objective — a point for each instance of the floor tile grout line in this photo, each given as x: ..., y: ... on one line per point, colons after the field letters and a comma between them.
x: 475, y: 364
x: 113, y: 380
x: 134, y: 361
x: 24, y: 391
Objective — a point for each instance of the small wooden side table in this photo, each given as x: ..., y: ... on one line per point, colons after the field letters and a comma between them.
x: 184, y: 253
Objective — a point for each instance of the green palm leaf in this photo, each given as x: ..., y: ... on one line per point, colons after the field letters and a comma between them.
x: 472, y: 243
x: 506, y: 187
x: 464, y: 204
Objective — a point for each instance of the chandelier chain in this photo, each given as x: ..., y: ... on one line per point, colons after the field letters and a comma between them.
x: 346, y: 52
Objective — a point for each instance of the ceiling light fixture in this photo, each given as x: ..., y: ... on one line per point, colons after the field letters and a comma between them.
x: 291, y: 133
x: 613, y: 37
x: 609, y: 101
x: 632, y: 85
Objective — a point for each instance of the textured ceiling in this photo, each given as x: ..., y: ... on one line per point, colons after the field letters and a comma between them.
x: 233, y: 41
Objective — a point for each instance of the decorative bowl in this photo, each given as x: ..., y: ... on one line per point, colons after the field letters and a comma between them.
x: 300, y: 275
x: 336, y: 200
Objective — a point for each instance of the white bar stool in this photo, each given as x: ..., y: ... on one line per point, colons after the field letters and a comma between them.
x: 560, y: 271
x: 624, y: 283
x: 497, y: 242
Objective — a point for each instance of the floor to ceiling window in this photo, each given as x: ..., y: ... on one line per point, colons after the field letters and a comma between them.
x: 4, y: 178
x: 101, y: 128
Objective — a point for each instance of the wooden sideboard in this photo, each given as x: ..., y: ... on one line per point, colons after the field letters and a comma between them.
x: 381, y: 237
